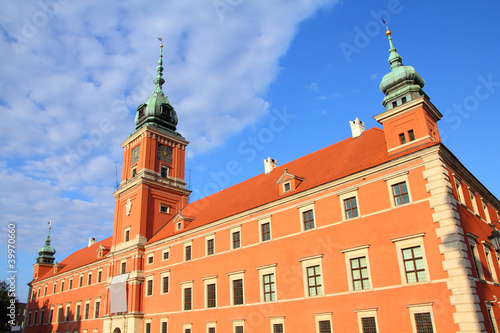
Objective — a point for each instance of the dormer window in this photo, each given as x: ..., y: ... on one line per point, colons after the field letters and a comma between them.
x: 165, y: 110
x: 141, y: 110
x: 179, y: 225
x: 286, y: 187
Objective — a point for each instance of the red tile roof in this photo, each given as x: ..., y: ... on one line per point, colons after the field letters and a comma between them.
x: 325, y: 165
x: 82, y: 257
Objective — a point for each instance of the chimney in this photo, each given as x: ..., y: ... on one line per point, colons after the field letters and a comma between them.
x: 357, y: 127
x: 91, y: 241
x: 269, y: 165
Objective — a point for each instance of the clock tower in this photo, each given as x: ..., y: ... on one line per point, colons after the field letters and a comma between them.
x: 152, y: 188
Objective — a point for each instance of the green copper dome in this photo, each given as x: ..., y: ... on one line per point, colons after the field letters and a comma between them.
x: 157, y: 111
x: 46, y: 253
x: 402, y: 84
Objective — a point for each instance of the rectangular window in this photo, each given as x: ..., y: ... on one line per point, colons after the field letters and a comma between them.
x: 45, y: 291
x: 77, y: 313
x: 166, y: 255
x: 238, y: 329
x: 423, y: 322
x: 324, y: 326
x: 210, y: 247
x: 286, y: 187
x: 475, y: 259
x: 211, y: 330
x: 134, y: 172
x: 62, y: 286
x: 314, y: 285
x: 42, y: 314
x: 164, y: 327
x: 89, y: 279
x: 29, y: 318
x: 187, y: 250
x: 308, y: 219
x: 403, y: 100
x: 211, y: 296
x: 35, y: 317
x: 238, y: 291
x: 54, y: 288
x: 491, y: 267
x: 51, y: 315
x: 164, y: 172
x: 187, y: 299
x: 60, y: 315
x: 87, y: 310
x: 351, y: 208
x: 66, y: 317
x: 413, y: 262
x: 368, y: 325
x: 124, y: 267
x: 80, y: 283
x: 265, y: 229
x: 165, y: 284
x: 148, y: 327
x: 127, y: 235
x: 150, y: 259
x: 149, y: 287
x: 164, y: 209
x: 400, y: 193
x: 236, y: 240
x: 278, y: 328
x: 359, y: 271
x: 269, y: 287
x: 96, y: 310
x: 411, y: 135
x: 99, y: 277
x: 402, y: 138
x: 187, y: 330
x: 70, y: 284
x: 491, y: 318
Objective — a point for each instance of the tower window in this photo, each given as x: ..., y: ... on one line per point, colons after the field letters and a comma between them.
x: 403, y: 100
x: 394, y: 104
x: 164, y: 172
x: 411, y: 135
x: 402, y: 138
x: 134, y: 172
x: 164, y: 209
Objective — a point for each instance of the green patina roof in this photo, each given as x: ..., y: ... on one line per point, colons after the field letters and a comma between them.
x: 401, y: 80
x: 157, y: 111
x: 46, y: 253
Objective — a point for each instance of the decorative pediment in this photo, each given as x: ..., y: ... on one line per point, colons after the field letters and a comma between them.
x: 288, y: 182
x: 181, y: 221
x: 102, y: 250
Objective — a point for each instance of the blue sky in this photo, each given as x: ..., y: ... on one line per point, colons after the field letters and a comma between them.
x: 248, y: 79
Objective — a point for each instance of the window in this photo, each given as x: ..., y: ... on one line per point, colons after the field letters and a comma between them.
x: 422, y: 322
x: 486, y: 212
x: 96, y: 309
x: 149, y: 287
x: 99, y: 276
x: 150, y: 259
x: 51, y: 315
x: 211, y: 296
x: 403, y: 100
x: 89, y: 279
x: 187, y: 252
x: 87, y: 310
x: 311, y: 268
x: 38, y: 294
x: 402, y: 138
x: 179, y: 225
x: 491, y: 317
x: 148, y: 328
x: 475, y: 256
x: 77, y: 312
x: 165, y: 283
x: 238, y: 292
x: 210, y: 246
x: 164, y: 172
x: 411, y: 256
x: 164, y: 327
x: 62, y: 286
x: 473, y: 201
x: 286, y: 187
x: 236, y: 239
x: 211, y: 330
x: 70, y: 284
x: 35, y: 317
x: 54, y: 288
x: 269, y: 287
x: 124, y: 267
x: 29, y: 317
x: 308, y: 219
x: 188, y: 298
x: 400, y: 194
x: 66, y: 317
x: 60, y: 314
x: 277, y: 324
x: 359, y: 271
x: 134, y: 171
x: 411, y: 135
x: 45, y: 291
x: 489, y: 261
x: 127, y: 235
x: 368, y: 325
x: 351, y: 208
x: 80, y: 282
x: 238, y: 326
x: 265, y: 231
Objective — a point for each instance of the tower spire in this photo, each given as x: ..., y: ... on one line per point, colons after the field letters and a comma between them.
x: 159, y: 80
x: 46, y: 253
x: 394, y: 58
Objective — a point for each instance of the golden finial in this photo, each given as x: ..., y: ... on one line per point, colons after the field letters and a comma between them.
x: 387, y: 32
x: 161, y: 41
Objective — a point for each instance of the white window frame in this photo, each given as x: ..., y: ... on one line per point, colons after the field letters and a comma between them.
x: 308, y: 262
x: 347, y: 195
x: 146, y: 322
x: 186, y: 244
x: 162, y: 205
x: 289, y: 186
x: 99, y: 273
x: 472, y: 195
x: 406, y: 242
x: 80, y: 281
x: 162, y: 275
x: 420, y: 308
x: 265, y: 270
x: 80, y: 317
x: 207, y: 238
x: 236, y: 276
x: 321, y: 317
x: 277, y: 320
x: 488, y: 253
x: 471, y: 238
x: 233, y: 230
x: 85, y: 309
x: 239, y: 322
x: 486, y: 211
x: 123, y: 261
x: 493, y: 319
x: 163, y: 320
x: 148, y: 278
x: 100, y: 307
x: 460, y: 190
x: 211, y: 324
x: 356, y: 252
x: 187, y: 326
x: 206, y: 282
x: 304, y: 208
x: 151, y: 255
x: 42, y: 314
x: 185, y: 285
x: 366, y: 313
x: 166, y: 250
x: 396, y: 179
x: 261, y: 222
x: 125, y: 233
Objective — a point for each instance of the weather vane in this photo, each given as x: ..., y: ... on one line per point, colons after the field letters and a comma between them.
x: 387, y: 32
x: 161, y: 41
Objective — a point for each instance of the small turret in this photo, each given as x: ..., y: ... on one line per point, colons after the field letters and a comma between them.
x: 46, y: 253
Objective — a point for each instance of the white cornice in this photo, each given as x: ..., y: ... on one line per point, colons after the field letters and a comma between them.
x: 411, y: 105
x: 157, y: 132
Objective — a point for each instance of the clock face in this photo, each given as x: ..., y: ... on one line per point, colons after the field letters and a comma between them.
x: 165, y: 153
x: 135, y: 154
